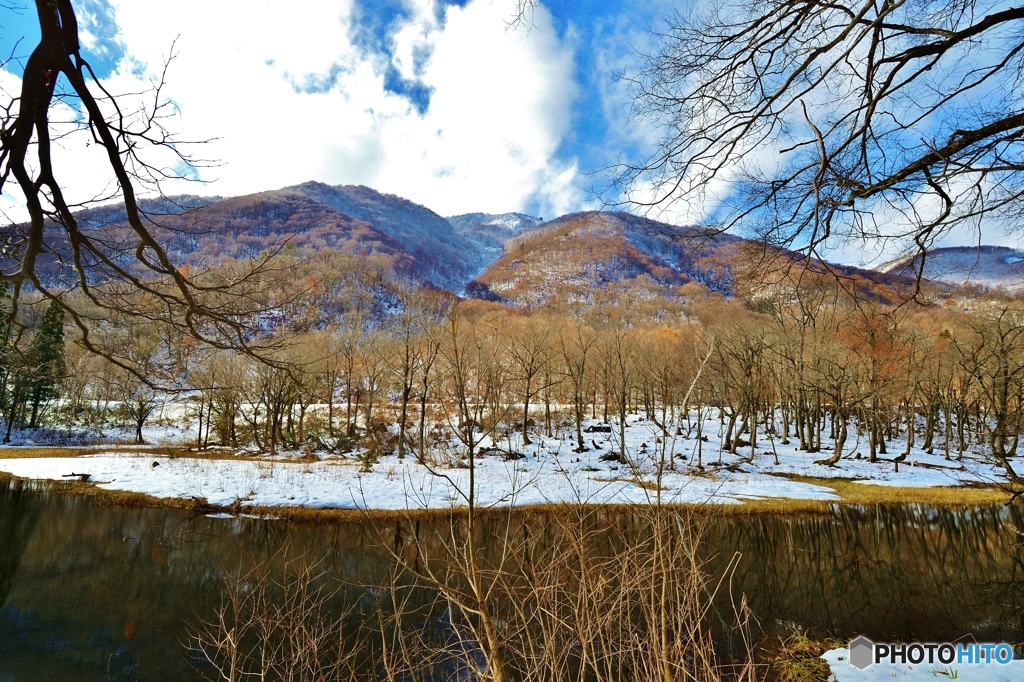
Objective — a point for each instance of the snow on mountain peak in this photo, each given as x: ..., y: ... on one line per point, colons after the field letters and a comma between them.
x: 990, y: 266
x: 513, y: 221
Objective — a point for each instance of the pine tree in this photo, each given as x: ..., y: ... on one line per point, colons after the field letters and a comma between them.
x: 46, y: 359
x: 6, y: 335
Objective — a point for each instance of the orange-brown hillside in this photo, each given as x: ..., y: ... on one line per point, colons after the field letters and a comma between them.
x: 581, y: 256
x: 610, y: 256
x: 239, y: 228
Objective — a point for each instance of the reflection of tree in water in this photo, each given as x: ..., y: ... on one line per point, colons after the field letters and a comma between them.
x: 107, y: 579
x: 908, y: 572
x: 17, y: 519
x: 891, y: 572
x: 98, y: 581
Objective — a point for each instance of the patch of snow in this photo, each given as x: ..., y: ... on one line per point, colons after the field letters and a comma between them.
x: 991, y: 266
x: 548, y: 472
x: 514, y: 222
x: 396, y: 485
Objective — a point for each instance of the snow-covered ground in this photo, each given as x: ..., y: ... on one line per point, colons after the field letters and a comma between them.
x: 842, y: 671
x: 549, y: 471
x: 163, y: 434
x: 391, y: 484
x: 172, y: 423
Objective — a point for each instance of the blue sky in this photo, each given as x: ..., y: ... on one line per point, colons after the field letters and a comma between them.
x: 435, y: 100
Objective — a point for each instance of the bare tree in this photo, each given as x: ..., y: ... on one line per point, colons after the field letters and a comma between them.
x: 992, y: 355
x: 576, y: 341
x: 413, y: 353
x: 138, y: 399
x: 530, y: 349
x: 618, y: 357
x: 101, y: 274
x: 877, y: 119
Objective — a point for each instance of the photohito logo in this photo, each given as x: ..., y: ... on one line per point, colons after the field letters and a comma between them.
x: 864, y: 653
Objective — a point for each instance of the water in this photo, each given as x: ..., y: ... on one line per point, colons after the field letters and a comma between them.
x: 93, y: 592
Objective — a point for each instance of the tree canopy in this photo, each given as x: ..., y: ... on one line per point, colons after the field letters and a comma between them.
x: 807, y: 123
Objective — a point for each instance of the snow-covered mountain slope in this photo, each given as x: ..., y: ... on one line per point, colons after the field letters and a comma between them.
x: 492, y: 230
x: 442, y: 256
x: 989, y: 266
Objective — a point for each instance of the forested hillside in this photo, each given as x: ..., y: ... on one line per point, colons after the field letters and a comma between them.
x: 590, y: 316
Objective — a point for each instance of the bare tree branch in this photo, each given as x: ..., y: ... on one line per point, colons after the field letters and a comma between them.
x: 808, y: 123
x: 107, y: 272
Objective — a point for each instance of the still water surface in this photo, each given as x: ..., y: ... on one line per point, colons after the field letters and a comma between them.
x: 94, y: 592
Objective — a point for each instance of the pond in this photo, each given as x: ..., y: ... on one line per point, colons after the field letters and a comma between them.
x: 95, y: 592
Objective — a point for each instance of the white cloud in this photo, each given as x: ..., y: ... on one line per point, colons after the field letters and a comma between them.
x: 500, y: 106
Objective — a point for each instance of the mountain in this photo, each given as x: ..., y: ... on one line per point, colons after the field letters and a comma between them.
x: 441, y: 254
x: 195, y: 232
x: 492, y: 230
x: 988, y: 266
x: 575, y: 257
x: 511, y: 257
x: 155, y: 208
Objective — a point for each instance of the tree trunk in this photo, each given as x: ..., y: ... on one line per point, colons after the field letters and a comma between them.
x: 36, y: 399
x: 728, y: 443
x: 526, y: 415
x: 910, y: 433
x: 547, y: 414
x: 578, y: 408
x: 421, y: 455
x: 402, y: 418
x: 11, y: 412
x: 837, y: 452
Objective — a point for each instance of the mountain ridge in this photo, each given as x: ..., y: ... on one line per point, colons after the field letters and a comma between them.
x: 511, y: 257
x: 987, y: 266
x: 445, y: 257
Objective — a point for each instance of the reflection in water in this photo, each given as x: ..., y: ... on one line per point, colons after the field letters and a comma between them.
x: 889, y: 572
x: 91, y: 592
x: 17, y: 519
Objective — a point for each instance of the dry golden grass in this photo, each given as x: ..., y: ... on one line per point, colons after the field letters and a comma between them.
x: 112, y: 497
x: 796, y: 656
x: 865, y: 493
x: 28, y: 453
x: 31, y: 453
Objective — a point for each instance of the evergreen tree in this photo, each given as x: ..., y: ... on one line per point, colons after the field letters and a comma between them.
x: 45, y: 359
x: 5, y: 346
x: 30, y: 377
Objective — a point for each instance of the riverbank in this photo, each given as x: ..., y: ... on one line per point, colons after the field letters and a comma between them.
x: 773, y: 476
x: 345, y: 489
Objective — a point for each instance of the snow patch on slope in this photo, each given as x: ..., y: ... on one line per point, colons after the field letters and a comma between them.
x: 990, y: 266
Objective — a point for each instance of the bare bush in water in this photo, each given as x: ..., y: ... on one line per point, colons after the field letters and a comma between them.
x: 589, y: 596
x: 270, y: 628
